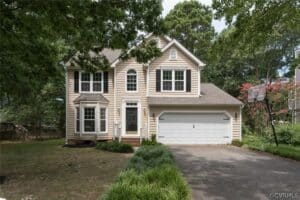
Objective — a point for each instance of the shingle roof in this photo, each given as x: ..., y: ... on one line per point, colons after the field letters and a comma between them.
x: 211, y: 95
x: 91, y: 97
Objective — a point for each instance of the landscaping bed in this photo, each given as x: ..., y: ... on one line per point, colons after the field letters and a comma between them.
x: 261, y: 143
x: 150, y: 174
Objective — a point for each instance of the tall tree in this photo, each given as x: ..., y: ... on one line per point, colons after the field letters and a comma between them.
x: 190, y: 23
x: 264, y: 29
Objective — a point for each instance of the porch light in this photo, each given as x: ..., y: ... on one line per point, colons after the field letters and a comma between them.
x: 153, y: 115
x: 235, y: 116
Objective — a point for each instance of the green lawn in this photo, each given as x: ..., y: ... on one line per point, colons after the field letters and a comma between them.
x: 261, y: 144
x: 46, y: 170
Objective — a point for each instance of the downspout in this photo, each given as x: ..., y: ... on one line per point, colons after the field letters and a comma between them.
x: 66, y: 102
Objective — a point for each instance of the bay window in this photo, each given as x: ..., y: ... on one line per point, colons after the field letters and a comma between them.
x: 90, y: 118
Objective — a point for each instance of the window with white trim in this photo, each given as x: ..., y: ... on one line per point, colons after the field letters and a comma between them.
x: 77, y: 119
x: 91, y: 82
x: 102, y: 119
x: 131, y: 80
x: 173, y: 80
x: 89, y: 119
x: 173, y: 54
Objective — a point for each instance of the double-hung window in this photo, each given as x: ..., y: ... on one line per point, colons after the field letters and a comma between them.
x: 91, y: 82
x: 89, y: 119
x: 173, y: 80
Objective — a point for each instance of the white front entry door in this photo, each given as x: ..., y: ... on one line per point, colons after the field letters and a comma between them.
x: 194, y: 128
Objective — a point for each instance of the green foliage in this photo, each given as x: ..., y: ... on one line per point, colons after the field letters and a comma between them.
x: 237, y: 143
x: 161, y: 180
x: 152, y: 141
x: 190, y: 22
x: 288, y: 134
x: 150, y: 156
x: 263, y: 144
x: 115, y: 147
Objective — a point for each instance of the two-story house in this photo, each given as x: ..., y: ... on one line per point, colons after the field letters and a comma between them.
x: 131, y: 101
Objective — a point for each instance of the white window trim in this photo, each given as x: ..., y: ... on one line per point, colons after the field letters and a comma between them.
x: 137, y: 81
x: 91, y: 82
x: 97, y: 107
x: 173, y: 80
x: 170, y: 54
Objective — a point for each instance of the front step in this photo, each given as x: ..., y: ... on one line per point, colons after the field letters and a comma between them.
x: 133, y: 141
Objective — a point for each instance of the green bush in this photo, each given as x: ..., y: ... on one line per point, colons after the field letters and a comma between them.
x: 149, y: 157
x: 237, y: 143
x: 152, y: 141
x: 288, y: 134
x: 150, y: 175
x: 115, y: 146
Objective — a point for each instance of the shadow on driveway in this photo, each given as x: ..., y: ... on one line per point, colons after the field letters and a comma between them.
x: 225, y: 172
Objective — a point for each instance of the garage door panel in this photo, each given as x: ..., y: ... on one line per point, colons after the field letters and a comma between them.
x: 194, y: 128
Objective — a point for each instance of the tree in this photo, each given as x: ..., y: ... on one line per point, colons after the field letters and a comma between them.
x: 190, y: 23
x: 268, y: 30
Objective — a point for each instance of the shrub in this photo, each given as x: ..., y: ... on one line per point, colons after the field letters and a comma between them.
x: 115, y: 146
x: 152, y: 141
x: 149, y: 157
x: 288, y: 134
x: 150, y: 175
x: 237, y: 143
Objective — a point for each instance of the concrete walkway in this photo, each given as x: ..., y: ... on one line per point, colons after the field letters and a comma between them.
x: 225, y: 172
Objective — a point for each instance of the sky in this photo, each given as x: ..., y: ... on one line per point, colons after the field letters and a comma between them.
x: 169, y: 5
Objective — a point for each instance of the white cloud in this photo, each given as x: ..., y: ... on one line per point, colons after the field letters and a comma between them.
x: 169, y: 5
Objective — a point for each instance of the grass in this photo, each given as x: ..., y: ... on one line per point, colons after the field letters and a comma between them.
x: 262, y: 144
x: 150, y: 175
x: 115, y: 146
x: 46, y: 170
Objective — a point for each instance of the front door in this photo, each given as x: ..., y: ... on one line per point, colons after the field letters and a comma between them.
x: 131, y: 120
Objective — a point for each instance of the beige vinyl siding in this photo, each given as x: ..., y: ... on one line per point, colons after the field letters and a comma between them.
x: 183, y: 62
x: 236, y: 122
x: 122, y: 95
x: 70, y: 124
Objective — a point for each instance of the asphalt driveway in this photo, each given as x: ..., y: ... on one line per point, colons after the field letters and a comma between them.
x: 225, y: 172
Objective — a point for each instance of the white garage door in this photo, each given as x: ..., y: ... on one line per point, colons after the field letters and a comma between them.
x: 194, y: 128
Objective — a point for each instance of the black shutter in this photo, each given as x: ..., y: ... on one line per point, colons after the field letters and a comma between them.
x: 105, y: 84
x: 188, y: 80
x: 158, y: 72
x: 76, y: 81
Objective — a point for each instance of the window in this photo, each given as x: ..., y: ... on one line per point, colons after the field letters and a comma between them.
x: 173, y: 54
x: 173, y: 80
x: 85, y: 81
x: 77, y: 119
x: 167, y: 80
x: 131, y: 80
x: 91, y: 82
x: 179, y: 80
x: 89, y: 119
x: 97, y: 82
x: 102, y: 119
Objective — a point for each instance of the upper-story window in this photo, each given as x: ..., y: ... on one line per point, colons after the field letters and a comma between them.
x: 131, y: 84
x: 173, y: 80
x: 91, y: 82
x: 173, y: 54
